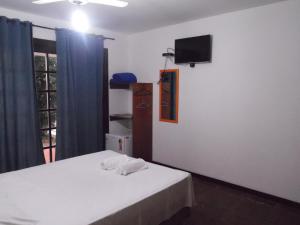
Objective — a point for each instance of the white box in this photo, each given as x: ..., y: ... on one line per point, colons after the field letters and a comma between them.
x: 119, y: 143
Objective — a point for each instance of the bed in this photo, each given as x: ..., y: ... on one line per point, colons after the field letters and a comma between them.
x: 77, y: 191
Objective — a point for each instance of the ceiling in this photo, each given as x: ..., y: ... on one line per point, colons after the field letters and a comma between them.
x: 139, y: 15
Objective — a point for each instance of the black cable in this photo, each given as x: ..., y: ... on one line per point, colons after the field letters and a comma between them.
x: 166, y: 60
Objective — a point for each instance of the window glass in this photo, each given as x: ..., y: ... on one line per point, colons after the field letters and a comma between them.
x: 52, y: 62
x: 53, y: 136
x: 52, y: 81
x: 41, y: 81
x: 45, y: 138
x: 40, y: 61
x: 53, y: 119
x: 44, y: 120
x: 52, y: 98
x: 42, y: 100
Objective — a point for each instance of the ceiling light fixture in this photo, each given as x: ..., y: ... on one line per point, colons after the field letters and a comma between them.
x: 116, y: 3
x: 79, y: 2
x: 80, y: 21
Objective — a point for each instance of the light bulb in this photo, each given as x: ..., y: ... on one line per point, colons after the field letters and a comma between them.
x: 80, y: 21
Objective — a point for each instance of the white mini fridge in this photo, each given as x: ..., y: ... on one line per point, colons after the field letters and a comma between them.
x: 119, y: 143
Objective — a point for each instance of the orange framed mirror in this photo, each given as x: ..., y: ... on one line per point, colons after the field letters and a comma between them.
x: 169, y: 95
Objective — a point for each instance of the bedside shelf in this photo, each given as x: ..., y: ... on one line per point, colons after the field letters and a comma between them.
x: 119, y: 86
x: 124, y: 116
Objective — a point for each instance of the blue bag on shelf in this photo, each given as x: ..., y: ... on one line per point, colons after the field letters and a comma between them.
x: 124, y: 78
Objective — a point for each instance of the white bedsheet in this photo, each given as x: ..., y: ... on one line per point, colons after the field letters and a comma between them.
x: 77, y: 191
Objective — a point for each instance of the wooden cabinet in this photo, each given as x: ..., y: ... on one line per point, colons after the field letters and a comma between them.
x: 142, y: 120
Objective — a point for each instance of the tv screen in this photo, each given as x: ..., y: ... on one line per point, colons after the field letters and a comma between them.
x: 193, y: 50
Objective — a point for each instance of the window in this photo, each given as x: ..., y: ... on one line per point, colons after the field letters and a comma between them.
x: 45, y: 62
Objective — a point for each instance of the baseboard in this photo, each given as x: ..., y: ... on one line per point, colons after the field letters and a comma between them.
x: 263, y: 195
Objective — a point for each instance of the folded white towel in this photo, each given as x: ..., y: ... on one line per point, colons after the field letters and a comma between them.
x: 113, y: 162
x: 131, y: 166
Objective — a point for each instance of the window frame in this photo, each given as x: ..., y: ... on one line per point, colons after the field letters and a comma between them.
x: 47, y: 48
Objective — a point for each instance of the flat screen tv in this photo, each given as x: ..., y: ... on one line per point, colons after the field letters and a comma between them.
x: 193, y: 49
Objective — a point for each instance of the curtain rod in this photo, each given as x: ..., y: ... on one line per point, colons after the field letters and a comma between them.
x: 50, y: 28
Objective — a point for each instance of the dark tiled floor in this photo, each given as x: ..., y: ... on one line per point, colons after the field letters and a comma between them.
x: 219, y: 204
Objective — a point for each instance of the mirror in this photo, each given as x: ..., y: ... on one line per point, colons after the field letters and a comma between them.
x: 169, y: 93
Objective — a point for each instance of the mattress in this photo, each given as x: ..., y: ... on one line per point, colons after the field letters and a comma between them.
x: 77, y: 191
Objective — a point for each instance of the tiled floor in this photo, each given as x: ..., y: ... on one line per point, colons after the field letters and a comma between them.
x: 218, y: 204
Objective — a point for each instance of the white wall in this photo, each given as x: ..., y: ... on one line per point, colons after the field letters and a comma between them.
x: 118, y: 55
x: 239, y: 117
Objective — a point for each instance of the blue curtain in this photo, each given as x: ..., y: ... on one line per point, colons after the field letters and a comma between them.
x: 20, y: 142
x: 79, y: 94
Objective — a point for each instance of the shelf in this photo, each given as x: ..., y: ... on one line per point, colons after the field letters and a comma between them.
x: 124, y: 116
x: 119, y: 86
